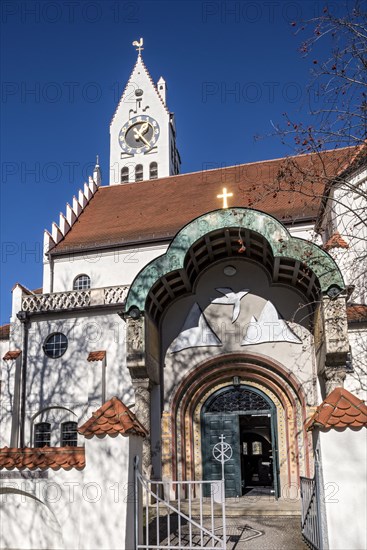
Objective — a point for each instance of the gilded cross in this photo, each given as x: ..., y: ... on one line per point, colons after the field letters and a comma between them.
x: 224, y: 196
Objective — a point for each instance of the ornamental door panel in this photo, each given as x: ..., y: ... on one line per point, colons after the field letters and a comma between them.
x: 213, y: 426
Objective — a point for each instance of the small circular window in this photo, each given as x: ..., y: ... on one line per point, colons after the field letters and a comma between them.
x: 82, y: 282
x: 55, y: 345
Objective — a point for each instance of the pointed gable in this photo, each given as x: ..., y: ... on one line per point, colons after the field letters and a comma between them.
x: 112, y: 418
x: 139, y: 78
x: 341, y: 409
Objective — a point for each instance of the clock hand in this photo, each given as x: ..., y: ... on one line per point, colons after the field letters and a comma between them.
x: 144, y: 128
x: 138, y: 135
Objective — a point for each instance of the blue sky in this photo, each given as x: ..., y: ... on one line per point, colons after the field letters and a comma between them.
x: 232, y: 68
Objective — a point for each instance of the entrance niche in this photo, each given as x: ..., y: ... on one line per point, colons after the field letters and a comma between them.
x: 247, y: 419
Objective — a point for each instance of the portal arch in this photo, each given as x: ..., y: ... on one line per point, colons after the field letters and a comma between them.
x: 181, y: 421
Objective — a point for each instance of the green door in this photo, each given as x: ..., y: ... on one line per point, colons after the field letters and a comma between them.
x: 213, y: 426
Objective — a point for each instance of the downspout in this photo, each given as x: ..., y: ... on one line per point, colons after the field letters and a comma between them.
x: 24, y: 319
x: 51, y: 263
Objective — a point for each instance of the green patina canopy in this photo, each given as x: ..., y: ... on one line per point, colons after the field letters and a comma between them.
x: 282, y: 244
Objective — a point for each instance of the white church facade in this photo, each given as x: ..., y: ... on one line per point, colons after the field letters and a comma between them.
x: 168, y: 318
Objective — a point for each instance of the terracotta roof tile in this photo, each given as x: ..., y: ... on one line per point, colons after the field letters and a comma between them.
x: 5, y: 332
x: 341, y: 409
x: 336, y: 241
x: 43, y: 458
x: 111, y: 419
x: 10, y: 355
x: 289, y: 189
x: 96, y: 355
x: 357, y: 313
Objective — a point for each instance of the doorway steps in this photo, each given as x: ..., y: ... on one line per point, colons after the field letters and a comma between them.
x: 237, y: 507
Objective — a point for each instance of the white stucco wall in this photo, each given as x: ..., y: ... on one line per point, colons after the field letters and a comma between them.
x: 344, y: 458
x: 105, y: 268
x: 305, y: 231
x: 71, y: 381
x: 356, y: 381
x: 88, y: 509
x: 347, y: 214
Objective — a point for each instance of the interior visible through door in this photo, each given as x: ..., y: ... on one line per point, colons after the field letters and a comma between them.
x: 256, y: 454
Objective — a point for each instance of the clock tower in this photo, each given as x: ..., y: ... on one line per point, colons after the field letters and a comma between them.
x: 142, y: 130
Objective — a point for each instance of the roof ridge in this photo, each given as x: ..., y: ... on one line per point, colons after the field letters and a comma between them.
x: 229, y: 167
x: 120, y: 216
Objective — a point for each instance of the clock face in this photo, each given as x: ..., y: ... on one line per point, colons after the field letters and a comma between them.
x: 139, y: 134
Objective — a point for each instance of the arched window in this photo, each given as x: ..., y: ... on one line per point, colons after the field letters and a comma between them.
x: 125, y: 174
x: 69, y: 434
x: 42, y: 434
x: 153, y: 171
x: 81, y: 282
x: 139, y: 172
x: 54, y: 426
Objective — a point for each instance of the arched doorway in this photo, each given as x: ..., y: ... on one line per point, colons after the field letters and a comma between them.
x: 247, y: 419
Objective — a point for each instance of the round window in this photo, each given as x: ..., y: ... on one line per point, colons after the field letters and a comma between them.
x: 55, y: 345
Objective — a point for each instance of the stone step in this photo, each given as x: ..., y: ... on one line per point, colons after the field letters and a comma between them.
x: 237, y: 507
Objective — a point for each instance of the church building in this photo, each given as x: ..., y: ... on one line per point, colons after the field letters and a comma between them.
x: 178, y: 311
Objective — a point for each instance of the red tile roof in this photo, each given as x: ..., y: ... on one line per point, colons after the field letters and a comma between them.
x: 96, y: 355
x: 357, y: 313
x: 5, y: 332
x: 12, y: 355
x: 341, y: 409
x: 289, y: 189
x: 112, y: 418
x: 43, y: 458
x: 336, y: 241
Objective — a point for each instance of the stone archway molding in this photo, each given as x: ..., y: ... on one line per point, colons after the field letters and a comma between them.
x: 180, y: 432
x: 282, y: 244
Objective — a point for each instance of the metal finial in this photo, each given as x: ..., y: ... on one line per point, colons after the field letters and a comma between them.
x: 138, y: 45
x: 97, y: 161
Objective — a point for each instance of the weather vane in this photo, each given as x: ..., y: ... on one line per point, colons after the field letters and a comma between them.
x: 138, y: 45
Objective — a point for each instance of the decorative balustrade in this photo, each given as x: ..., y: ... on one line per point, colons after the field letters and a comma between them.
x: 115, y: 294
x: 74, y: 299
